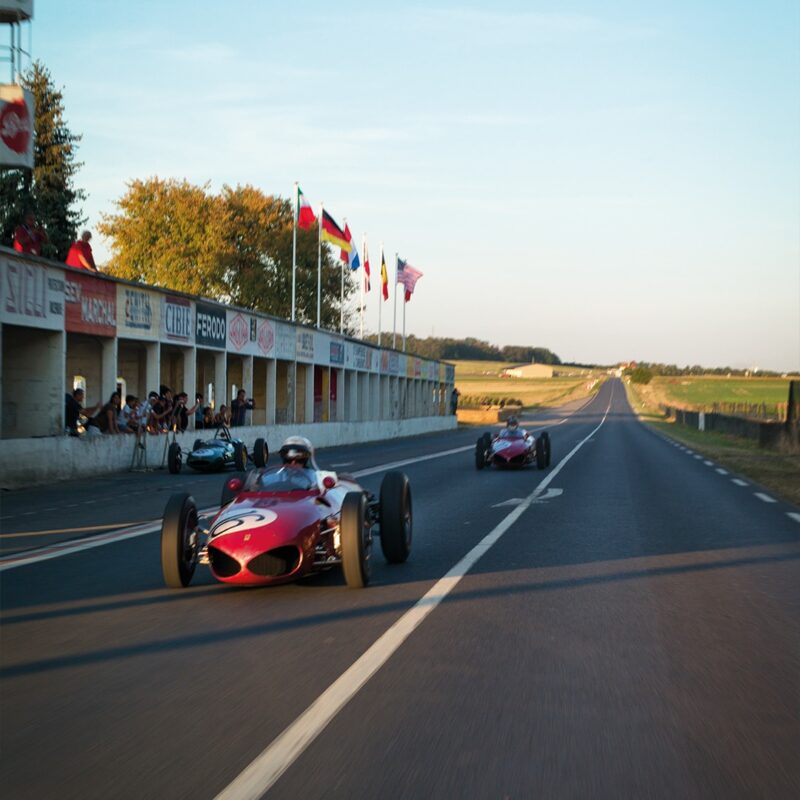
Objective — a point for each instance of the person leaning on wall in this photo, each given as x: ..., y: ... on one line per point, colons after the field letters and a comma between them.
x: 80, y: 254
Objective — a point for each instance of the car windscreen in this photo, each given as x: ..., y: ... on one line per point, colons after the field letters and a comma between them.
x: 282, y: 479
x: 509, y: 434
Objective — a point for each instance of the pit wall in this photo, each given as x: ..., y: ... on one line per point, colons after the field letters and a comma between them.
x: 30, y: 462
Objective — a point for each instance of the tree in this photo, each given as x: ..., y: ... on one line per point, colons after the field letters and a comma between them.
x: 49, y: 191
x: 235, y: 247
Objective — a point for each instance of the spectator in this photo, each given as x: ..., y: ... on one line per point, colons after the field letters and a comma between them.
x: 222, y: 417
x: 80, y: 254
x: 126, y: 419
x: 208, y: 417
x: 161, y: 414
x: 181, y: 414
x: 199, y: 412
x: 239, y: 408
x: 74, y: 410
x: 454, y: 400
x: 144, y: 415
x: 106, y: 419
x: 29, y: 237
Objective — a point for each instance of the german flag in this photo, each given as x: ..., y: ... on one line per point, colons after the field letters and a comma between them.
x: 332, y: 233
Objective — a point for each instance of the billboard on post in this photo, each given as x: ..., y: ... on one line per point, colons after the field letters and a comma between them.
x: 16, y: 126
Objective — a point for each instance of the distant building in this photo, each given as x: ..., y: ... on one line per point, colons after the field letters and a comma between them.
x: 528, y: 371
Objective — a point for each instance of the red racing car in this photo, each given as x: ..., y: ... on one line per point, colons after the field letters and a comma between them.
x: 513, y: 447
x: 280, y: 523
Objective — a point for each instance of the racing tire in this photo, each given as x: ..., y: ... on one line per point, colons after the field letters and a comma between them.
x: 480, y: 454
x: 179, y: 540
x: 198, y: 443
x: 546, y: 436
x: 541, y: 453
x: 356, y: 540
x: 240, y: 457
x: 396, y: 518
x: 174, y: 460
x: 260, y: 453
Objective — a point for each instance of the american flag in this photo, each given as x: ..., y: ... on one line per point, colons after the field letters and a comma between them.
x: 408, y: 276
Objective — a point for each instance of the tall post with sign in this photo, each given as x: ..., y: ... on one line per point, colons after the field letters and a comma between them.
x: 16, y: 103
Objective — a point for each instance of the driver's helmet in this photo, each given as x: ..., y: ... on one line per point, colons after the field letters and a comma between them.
x: 298, y: 450
x: 512, y: 424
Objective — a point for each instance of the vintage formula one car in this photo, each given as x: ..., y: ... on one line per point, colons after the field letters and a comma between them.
x: 214, y: 455
x: 512, y: 447
x: 283, y: 522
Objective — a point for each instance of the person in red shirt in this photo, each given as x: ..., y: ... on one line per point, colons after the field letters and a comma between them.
x: 29, y: 237
x: 80, y: 254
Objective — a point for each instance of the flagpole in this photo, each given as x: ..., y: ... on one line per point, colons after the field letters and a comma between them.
x: 294, y: 247
x: 341, y: 297
x: 405, y: 303
x: 394, y: 321
x: 361, y: 282
x: 319, y: 265
x: 380, y: 299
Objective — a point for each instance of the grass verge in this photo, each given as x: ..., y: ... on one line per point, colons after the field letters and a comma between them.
x: 779, y: 472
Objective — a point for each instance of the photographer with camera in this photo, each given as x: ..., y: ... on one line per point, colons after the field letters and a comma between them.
x: 239, y: 408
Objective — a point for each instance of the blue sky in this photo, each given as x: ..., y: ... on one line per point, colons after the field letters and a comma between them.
x: 612, y: 181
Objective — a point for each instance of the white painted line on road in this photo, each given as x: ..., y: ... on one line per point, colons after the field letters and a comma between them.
x: 722, y: 471
x: 265, y: 769
x: 690, y: 452
x: 794, y: 515
x: 708, y: 463
x: 512, y: 501
x: 697, y: 456
x: 765, y: 497
x: 739, y: 482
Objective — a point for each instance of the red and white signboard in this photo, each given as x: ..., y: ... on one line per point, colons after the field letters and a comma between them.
x: 16, y: 126
x: 91, y: 305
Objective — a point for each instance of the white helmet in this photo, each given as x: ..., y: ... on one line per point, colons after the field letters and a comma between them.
x: 298, y: 450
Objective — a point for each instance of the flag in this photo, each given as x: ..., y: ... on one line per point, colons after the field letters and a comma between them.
x: 332, y: 233
x: 303, y: 213
x: 366, y: 267
x: 384, y: 277
x: 408, y: 276
x: 350, y: 258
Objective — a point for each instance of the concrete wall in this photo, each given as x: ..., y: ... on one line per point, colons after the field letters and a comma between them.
x: 28, y: 462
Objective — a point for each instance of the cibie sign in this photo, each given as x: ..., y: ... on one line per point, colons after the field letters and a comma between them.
x: 16, y: 126
x: 177, y: 320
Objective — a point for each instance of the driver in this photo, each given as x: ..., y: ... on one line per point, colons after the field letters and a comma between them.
x: 298, y: 451
x: 512, y: 424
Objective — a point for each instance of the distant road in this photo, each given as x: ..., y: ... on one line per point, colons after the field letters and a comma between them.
x: 624, y: 624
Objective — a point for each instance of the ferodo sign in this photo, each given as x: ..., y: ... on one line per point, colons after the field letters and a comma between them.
x: 210, y: 326
x: 90, y: 304
x: 177, y: 320
x: 16, y: 126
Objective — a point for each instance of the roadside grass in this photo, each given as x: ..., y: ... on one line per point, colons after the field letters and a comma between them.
x: 779, y: 472
x: 705, y: 390
x: 481, y: 379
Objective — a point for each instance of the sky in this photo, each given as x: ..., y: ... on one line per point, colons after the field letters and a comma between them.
x: 613, y: 181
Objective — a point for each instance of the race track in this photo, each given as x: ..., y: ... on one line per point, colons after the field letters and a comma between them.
x: 623, y: 624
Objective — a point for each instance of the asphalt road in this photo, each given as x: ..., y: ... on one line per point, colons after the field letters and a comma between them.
x: 630, y: 628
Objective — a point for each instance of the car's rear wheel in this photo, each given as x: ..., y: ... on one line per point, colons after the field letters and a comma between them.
x: 356, y: 540
x: 179, y: 540
x: 480, y: 454
x: 240, y: 456
x: 547, y: 447
x: 541, y: 454
x: 174, y: 458
x: 396, y: 518
x: 260, y: 453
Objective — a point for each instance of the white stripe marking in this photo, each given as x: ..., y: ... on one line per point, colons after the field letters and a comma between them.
x: 765, y: 497
x: 708, y: 463
x: 697, y: 456
x: 266, y: 768
x: 722, y: 471
x: 738, y: 481
x: 794, y: 515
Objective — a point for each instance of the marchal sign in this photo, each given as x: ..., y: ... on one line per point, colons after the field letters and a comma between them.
x: 91, y: 305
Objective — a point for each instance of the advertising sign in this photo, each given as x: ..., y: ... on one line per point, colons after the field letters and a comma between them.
x: 138, y: 313
x: 249, y: 334
x: 390, y: 362
x: 337, y: 352
x: 31, y: 295
x: 305, y: 345
x: 177, y: 320
x: 16, y: 126
x: 90, y: 305
x: 210, y: 327
x: 285, y: 341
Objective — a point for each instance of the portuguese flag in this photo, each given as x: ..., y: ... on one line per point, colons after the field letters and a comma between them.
x: 303, y: 213
x: 332, y: 233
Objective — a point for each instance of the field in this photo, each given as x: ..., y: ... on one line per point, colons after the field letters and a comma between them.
x: 779, y: 472
x: 479, y: 379
x: 704, y: 391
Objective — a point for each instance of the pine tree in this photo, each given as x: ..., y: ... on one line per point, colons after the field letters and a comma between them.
x: 49, y: 191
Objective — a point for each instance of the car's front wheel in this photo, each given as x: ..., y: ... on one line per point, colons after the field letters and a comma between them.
x: 356, y: 540
x: 260, y: 453
x: 541, y: 453
x: 174, y: 460
x: 179, y: 540
x: 395, y: 517
x: 240, y: 456
x: 480, y: 454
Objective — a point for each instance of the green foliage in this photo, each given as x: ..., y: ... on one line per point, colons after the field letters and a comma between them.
x: 471, y: 349
x: 235, y: 247
x: 50, y: 190
x: 640, y: 375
